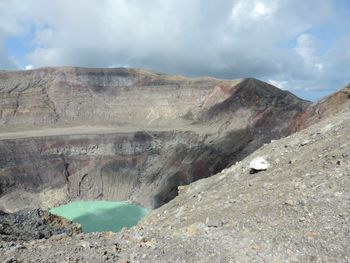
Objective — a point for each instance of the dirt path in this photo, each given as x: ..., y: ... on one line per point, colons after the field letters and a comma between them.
x: 81, y: 130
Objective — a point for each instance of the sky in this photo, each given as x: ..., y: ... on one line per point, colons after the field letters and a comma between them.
x: 299, y: 45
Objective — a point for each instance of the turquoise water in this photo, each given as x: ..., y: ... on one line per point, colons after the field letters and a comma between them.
x: 99, y: 216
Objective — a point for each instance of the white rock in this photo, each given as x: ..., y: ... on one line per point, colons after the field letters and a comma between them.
x: 259, y: 164
x: 306, y: 142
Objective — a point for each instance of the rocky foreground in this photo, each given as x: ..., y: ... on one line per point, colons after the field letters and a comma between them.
x: 29, y: 224
x: 297, y: 210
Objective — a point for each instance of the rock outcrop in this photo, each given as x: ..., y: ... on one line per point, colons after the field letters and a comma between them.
x: 127, y: 134
x: 34, y: 224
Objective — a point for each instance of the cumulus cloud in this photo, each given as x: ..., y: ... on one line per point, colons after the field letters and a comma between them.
x: 223, y: 38
x: 306, y: 49
x: 29, y: 67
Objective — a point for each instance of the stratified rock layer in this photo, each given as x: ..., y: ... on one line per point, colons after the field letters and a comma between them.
x: 117, y: 134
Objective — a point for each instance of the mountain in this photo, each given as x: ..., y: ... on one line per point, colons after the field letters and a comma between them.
x: 127, y: 134
x: 295, y: 209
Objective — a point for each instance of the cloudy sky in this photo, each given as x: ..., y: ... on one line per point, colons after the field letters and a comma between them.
x: 299, y: 45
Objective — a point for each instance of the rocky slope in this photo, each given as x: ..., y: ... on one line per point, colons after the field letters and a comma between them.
x: 297, y: 210
x: 127, y: 134
x: 322, y: 109
x: 30, y: 224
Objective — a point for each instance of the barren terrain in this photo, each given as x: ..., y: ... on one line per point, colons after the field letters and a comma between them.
x: 298, y: 210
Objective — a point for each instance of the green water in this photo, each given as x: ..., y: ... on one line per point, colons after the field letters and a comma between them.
x: 99, y: 216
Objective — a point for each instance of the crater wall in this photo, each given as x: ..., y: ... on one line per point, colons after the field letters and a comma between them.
x: 127, y: 134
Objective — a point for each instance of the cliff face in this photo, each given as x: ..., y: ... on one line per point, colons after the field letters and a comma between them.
x: 75, y: 96
x: 145, y: 167
x: 119, y: 134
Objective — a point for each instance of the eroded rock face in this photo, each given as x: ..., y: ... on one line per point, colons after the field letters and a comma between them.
x: 145, y: 167
x: 117, y: 134
x: 75, y: 96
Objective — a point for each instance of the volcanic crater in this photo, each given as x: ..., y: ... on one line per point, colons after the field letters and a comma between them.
x: 127, y: 134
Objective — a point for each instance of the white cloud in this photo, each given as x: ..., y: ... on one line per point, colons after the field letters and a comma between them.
x: 306, y: 48
x: 248, y: 11
x: 261, y: 10
x: 29, y: 67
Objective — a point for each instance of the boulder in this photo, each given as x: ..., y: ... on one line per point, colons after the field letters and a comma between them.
x: 258, y: 164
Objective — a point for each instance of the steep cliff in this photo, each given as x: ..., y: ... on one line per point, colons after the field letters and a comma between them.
x: 119, y: 134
